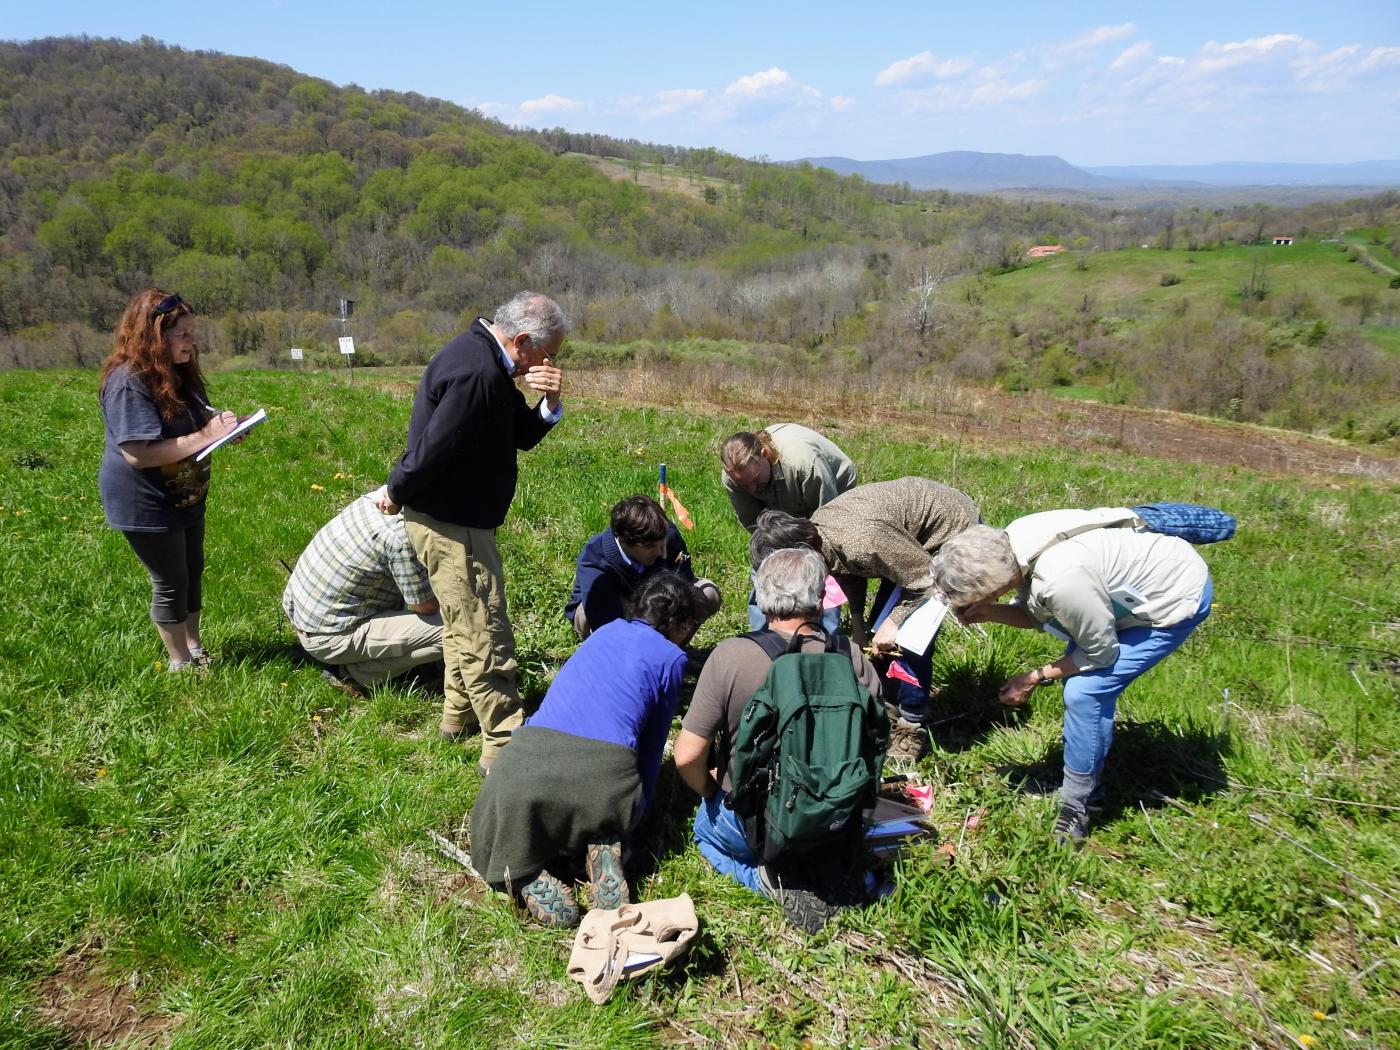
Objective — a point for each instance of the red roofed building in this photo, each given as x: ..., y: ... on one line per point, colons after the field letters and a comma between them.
x: 1040, y: 251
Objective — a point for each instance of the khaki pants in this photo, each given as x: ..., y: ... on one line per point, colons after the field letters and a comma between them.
x: 478, y: 646
x: 381, y: 647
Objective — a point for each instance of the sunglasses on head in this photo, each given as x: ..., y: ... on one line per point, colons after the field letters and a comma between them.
x: 170, y: 302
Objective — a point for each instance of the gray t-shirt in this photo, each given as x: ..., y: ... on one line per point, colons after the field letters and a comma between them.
x: 731, y: 675
x: 151, y: 499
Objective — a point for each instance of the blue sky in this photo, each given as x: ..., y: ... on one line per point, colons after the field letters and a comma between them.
x: 1095, y: 83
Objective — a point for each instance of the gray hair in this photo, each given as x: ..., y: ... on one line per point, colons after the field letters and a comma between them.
x: 974, y: 565
x: 538, y: 316
x: 790, y: 583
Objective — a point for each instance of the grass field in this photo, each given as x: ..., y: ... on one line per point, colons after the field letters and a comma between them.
x: 1319, y: 278
x: 243, y: 859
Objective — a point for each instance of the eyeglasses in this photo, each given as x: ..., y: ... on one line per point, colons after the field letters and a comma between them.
x: 170, y: 302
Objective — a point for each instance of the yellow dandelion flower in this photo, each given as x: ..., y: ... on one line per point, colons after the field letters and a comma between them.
x: 101, y: 772
x: 1307, y: 1040
x: 64, y: 518
x: 159, y: 666
x: 317, y: 488
x: 315, y: 718
x: 1318, y: 1015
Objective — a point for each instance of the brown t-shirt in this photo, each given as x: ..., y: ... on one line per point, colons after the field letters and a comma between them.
x: 731, y: 675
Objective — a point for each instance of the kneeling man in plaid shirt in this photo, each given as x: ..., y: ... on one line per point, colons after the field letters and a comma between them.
x: 360, y: 600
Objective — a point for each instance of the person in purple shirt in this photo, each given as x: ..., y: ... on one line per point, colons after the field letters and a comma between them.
x: 580, y: 773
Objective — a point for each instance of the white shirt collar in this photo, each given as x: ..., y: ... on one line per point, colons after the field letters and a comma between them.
x: 505, y: 357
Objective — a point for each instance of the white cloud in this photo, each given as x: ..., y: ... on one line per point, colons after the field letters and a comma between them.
x: 1132, y: 56
x: 1095, y: 38
x: 549, y: 104
x: 842, y: 103
x: 997, y: 91
x: 666, y: 103
x: 921, y: 69
x: 755, y: 84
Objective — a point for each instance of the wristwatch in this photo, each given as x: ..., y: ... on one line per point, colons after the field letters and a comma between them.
x: 1041, y: 678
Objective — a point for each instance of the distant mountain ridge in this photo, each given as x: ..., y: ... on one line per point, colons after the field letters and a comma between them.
x: 1262, y: 173
x: 969, y: 171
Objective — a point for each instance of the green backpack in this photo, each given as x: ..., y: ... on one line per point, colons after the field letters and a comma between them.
x: 806, y: 759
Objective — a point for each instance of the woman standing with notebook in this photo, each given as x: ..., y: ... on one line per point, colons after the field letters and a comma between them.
x: 157, y: 417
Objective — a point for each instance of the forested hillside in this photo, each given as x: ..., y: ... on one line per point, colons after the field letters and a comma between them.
x: 264, y: 196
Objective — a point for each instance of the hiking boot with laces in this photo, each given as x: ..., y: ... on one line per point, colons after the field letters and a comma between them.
x: 550, y: 902
x: 908, y: 742
x: 607, y: 886
x: 1071, y: 827
x: 802, y: 905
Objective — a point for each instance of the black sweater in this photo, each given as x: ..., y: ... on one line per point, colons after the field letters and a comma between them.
x: 468, y: 421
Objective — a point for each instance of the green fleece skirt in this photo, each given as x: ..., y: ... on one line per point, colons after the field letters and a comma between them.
x: 550, y: 795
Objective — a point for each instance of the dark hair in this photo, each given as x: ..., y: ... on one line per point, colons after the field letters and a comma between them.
x: 666, y: 600
x: 638, y: 519
x: 141, y: 346
x: 777, y: 530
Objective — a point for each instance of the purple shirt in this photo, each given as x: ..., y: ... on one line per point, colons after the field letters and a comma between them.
x: 620, y: 686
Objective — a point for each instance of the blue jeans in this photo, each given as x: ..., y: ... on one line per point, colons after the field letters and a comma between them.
x: 912, y: 698
x: 720, y: 836
x: 1091, y: 698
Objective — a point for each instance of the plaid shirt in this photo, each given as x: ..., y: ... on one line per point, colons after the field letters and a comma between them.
x: 360, y: 564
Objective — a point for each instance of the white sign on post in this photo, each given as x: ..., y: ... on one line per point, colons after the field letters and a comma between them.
x: 347, y: 345
x: 297, y: 354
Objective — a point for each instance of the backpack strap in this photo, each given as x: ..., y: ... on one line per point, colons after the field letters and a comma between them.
x: 775, y: 645
x: 1059, y: 537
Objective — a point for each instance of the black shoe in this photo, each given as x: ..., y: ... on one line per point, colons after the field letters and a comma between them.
x: 802, y: 905
x: 1071, y: 827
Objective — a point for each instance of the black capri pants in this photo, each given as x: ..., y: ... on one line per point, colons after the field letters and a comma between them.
x: 175, y: 561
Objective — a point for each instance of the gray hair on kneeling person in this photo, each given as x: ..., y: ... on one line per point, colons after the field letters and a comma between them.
x: 790, y: 583
x: 974, y: 565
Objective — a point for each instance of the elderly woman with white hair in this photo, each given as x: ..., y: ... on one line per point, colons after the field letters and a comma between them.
x: 1121, y: 597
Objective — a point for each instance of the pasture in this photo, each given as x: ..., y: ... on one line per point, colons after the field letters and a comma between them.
x: 243, y: 859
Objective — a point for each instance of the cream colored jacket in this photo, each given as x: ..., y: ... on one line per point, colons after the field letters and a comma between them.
x: 1093, y: 584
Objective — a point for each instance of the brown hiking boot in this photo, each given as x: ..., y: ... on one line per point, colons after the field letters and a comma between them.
x: 607, y: 885
x: 908, y: 743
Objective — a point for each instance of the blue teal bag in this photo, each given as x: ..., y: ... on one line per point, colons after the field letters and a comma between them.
x: 1190, y: 521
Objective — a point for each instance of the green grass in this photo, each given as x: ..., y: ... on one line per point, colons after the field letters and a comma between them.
x: 247, y: 852
x: 1128, y: 283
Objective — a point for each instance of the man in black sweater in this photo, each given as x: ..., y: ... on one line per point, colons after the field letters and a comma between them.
x: 455, y: 484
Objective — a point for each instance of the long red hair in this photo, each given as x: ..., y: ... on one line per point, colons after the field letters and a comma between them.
x: 143, y: 348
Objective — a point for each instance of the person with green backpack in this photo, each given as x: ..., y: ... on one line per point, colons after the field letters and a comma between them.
x: 784, y: 741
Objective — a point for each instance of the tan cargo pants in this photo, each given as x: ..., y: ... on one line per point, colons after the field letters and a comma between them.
x: 478, y: 645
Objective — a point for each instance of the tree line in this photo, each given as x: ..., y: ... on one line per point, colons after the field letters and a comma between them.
x: 264, y: 196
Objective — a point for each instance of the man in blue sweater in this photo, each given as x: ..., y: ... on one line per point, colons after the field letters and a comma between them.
x: 455, y: 484
x: 613, y: 563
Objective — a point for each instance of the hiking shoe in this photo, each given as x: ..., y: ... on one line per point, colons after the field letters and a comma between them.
x: 200, y: 657
x: 607, y: 886
x: 336, y: 680
x: 1071, y: 827
x: 802, y: 905
x: 908, y: 742
x: 550, y: 902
